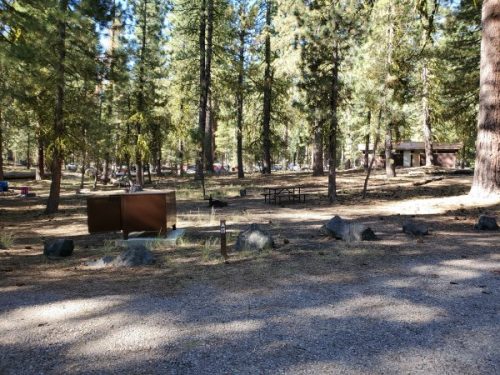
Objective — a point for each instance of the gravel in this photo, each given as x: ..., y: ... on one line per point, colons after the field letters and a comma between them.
x: 426, y: 314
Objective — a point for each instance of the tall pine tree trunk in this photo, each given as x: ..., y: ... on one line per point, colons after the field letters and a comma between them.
x: 487, y: 167
x: 426, y: 118
x: 209, y: 128
x: 367, y: 142
x: 332, y: 133
x: 209, y: 134
x: 58, y: 125
x: 374, y: 158
x: 390, y: 166
x: 141, y: 103
x: 40, y: 169
x: 266, y: 123
x: 1, y: 146
x: 240, y: 97
x: 180, y: 151
x: 202, y: 105
x: 318, y: 168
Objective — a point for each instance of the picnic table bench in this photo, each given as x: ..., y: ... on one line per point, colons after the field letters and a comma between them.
x: 277, y: 195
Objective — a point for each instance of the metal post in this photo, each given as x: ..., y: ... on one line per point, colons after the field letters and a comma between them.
x: 223, y: 245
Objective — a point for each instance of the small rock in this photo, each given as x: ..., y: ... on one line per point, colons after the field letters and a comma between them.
x: 486, y: 223
x: 61, y: 247
x: 415, y: 228
x: 254, y: 239
x: 348, y: 230
x: 135, y: 188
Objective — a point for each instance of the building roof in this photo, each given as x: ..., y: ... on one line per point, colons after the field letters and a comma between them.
x: 417, y: 146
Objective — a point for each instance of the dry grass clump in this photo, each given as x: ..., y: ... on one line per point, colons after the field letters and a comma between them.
x: 6, y: 240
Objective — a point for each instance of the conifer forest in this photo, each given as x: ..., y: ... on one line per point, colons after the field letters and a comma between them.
x: 246, y: 86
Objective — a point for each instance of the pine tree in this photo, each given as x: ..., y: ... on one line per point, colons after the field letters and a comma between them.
x: 487, y: 168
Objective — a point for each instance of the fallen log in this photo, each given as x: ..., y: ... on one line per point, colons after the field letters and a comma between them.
x: 27, y: 175
x: 427, y: 181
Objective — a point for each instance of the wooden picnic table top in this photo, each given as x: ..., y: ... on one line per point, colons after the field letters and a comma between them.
x: 279, y: 189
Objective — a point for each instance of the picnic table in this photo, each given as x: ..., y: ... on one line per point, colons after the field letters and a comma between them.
x: 279, y: 194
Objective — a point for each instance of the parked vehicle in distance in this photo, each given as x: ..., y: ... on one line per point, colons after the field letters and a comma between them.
x: 166, y: 170
x: 293, y: 167
x: 191, y: 169
x: 276, y: 167
x: 72, y: 167
x: 256, y: 168
x: 221, y: 169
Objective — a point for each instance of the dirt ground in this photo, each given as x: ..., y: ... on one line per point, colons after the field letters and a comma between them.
x: 401, y: 304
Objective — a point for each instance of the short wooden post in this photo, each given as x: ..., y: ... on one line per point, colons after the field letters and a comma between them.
x: 223, y: 244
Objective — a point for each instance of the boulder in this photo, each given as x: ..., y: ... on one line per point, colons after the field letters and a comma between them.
x: 415, y: 228
x: 347, y: 230
x: 61, y: 247
x: 486, y: 223
x: 254, y: 239
x: 133, y: 257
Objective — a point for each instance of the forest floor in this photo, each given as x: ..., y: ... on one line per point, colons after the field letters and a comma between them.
x: 313, y: 305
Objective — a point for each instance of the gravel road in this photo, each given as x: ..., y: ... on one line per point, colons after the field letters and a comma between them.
x: 430, y: 314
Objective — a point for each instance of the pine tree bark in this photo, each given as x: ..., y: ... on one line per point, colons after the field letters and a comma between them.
x: 426, y: 118
x: 390, y: 166
x: 487, y: 167
x: 202, y: 105
x: 141, y: 103
x: 180, y: 171
x: 115, y: 26
x: 240, y: 95
x: 367, y: 152
x: 1, y: 146
x: 332, y: 133
x: 58, y: 125
x: 375, y: 147
x: 266, y: 123
x: 318, y: 161
x: 208, y: 149
x: 209, y: 135
x: 40, y: 170
x: 367, y: 142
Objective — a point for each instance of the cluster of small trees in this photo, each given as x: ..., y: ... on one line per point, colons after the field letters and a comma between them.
x: 244, y: 82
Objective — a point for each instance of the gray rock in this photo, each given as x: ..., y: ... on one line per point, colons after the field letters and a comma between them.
x: 133, y: 257
x: 486, y: 223
x: 254, y: 239
x: 347, y: 230
x: 135, y: 188
x: 415, y: 228
x: 61, y: 247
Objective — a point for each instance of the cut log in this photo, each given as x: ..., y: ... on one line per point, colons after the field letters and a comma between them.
x: 427, y: 181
